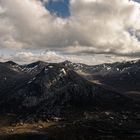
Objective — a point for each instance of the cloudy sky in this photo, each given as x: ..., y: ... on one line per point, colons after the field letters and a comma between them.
x: 88, y: 31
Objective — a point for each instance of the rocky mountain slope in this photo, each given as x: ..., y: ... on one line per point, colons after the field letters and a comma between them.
x: 81, y: 94
x: 51, y: 88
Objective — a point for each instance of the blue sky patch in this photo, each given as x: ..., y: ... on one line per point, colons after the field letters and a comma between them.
x: 60, y: 8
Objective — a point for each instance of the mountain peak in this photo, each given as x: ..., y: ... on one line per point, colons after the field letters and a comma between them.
x: 10, y: 63
x: 37, y: 63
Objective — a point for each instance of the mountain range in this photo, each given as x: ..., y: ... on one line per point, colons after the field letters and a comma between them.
x: 42, y: 91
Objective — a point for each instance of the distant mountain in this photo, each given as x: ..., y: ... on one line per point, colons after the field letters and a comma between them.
x: 124, y: 76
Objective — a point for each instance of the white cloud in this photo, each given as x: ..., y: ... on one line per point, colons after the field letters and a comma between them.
x: 94, y: 27
x: 27, y: 57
